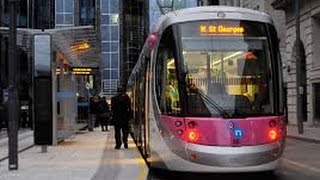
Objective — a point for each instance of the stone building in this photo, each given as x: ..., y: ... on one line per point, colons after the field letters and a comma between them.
x: 259, y: 5
x: 264, y: 6
x: 309, y: 34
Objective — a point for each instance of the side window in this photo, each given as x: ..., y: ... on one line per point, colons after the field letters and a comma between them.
x: 166, y: 77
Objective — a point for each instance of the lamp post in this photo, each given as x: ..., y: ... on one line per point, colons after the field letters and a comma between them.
x: 13, y: 93
x: 299, y: 89
x: 165, y: 5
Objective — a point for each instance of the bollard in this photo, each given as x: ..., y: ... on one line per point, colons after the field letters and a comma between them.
x: 44, y: 148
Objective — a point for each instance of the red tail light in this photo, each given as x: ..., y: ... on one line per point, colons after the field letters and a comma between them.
x: 273, y: 134
x: 192, y: 135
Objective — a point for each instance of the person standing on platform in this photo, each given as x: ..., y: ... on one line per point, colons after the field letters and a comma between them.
x: 103, y: 108
x: 121, y: 107
x: 93, y: 110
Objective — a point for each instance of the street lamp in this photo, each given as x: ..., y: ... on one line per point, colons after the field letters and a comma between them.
x: 299, y: 88
x: 12, y: 89
x: 165, y: 5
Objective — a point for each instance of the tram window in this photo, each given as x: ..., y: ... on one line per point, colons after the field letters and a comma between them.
x: 166, y: 78
x: 232, y: 72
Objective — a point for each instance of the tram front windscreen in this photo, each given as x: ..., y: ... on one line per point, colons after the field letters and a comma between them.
x: 229, y: 68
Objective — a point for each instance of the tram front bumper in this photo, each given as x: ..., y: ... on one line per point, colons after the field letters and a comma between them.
x: 233, y: 156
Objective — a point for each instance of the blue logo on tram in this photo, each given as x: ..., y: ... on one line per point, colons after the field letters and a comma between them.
x: 238, y: 133
x: 235, y: 130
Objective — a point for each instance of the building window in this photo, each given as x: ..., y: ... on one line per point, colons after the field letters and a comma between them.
x: 114, y: 6
x: 114, y: 46
x: 21, y: 10
x: 114, y: 74
x: 104, y: 19
x: 110, y: 44
x: 114, y: 33
x: 316, y: 103
x: 180, y: 4
x: 114, y: 60
x: 105, y: 6
x: 86, y: 12
x: 114, y: 19
x: 64, y: 13
x: 106, y: 74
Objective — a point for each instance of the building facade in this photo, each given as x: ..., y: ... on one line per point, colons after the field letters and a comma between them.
x: 124, y: 27
x: 134, y: 31
x: 231, y: 2
x: 110, y: 46
x: 309, y: 19
x: 155, y: 11
x: 123, y: 31
x: 264, y: 6
x: 71, y: 24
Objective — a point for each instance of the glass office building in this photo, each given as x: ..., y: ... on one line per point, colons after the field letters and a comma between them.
x: 155, y: 11
x: 64, y: 13
x: 75, y: 44
x: 122, y: 40
x: 110, y: 63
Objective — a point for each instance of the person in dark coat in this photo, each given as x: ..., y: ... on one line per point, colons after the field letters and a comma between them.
x: 103, y: 114
x: 93, y: 111
x: 121, y: 107
x: 98, y: 111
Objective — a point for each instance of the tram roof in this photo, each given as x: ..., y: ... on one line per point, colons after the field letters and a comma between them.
x: 210, y: 13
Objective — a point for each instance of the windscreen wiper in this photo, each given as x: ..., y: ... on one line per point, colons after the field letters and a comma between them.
x: 212, y: 103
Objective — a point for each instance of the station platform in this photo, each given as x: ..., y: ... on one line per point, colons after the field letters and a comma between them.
x: 87, y: 155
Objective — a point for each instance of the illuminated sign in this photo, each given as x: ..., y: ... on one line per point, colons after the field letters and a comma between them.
x: 80, y: 47
x: 82, y: 71
x: 221, y: 30
x: 78, y: 71
x: 58, y: 71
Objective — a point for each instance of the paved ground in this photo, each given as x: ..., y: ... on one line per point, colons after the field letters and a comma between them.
x: 311, y: 134
x: 25, y: 141
x: 90, y: 155
x: 301, y: 161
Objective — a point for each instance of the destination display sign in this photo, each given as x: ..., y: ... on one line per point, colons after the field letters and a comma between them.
x: 82, y: 71
x: 206, y: 30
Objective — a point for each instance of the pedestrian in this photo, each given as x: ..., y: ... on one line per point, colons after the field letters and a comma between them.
x: 1, y: 116
x: 121, y: 107
x: 103, y: 108
x: 92, y: 115
x: 24, y: 119
x: 96, y: 104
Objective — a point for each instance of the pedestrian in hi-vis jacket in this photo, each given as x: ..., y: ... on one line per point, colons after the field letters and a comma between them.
x: 121, y: 107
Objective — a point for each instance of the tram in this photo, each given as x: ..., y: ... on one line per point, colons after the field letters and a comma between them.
x: 207, y: 92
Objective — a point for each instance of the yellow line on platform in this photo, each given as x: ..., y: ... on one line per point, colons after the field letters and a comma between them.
x: 143, y: 169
